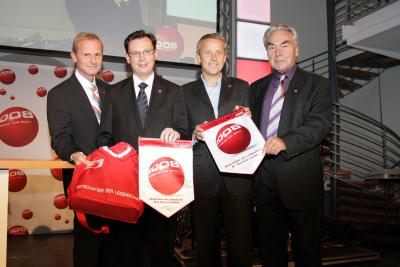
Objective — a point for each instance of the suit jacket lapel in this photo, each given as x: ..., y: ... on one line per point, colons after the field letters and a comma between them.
x: 130, y: 94
x: 292, y: 93
x: 226, y: 88
x: 200, y: 91
x: 81, y: 100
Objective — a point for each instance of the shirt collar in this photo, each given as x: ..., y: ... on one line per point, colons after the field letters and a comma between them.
x: 83, y: 81
x: 218, y: 85
x: 148, y: 81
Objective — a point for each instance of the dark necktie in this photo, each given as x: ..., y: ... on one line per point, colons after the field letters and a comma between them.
x: 143, y: 106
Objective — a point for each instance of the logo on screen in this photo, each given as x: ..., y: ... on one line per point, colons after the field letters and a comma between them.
x: 169, y: 43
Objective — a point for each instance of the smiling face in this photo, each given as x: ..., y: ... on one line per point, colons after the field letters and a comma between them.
x: 282, y: 50
x: 88, y: 58
x: 141, y: 57
x: 212, y: 57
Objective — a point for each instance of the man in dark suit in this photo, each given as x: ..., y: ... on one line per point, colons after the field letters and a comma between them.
x: 289, y: 186
x: 145, y: 105
x: 74, y: 109
x: 217, y: 194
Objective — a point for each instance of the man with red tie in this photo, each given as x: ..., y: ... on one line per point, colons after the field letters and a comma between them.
x: 292, y: 109
x: 74, y: 115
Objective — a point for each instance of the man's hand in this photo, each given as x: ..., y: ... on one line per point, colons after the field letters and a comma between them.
x: 273, y: 146
x: 246, y: 110
x: 79, y: 158
x: 169, y: 135
x: 198, y: 133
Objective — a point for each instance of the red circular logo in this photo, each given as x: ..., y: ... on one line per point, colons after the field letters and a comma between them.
x: 169, y: 43
x: 3, y: 91
x: 18, y: 230
x: 7, y: 76
x: 16, y: 180
x: 33, y: 69
x: 60, y: 202
x: 27, y: 214
x: 66, y: 221
x: 60, y: 71
x: 108, y: 76
x: 233, y: 138
x: 12, y: 97
x: 166, y: 176
x: 18, y: 126
x: 57, y: 217
x: 41, y: 91
x: 57, y: 173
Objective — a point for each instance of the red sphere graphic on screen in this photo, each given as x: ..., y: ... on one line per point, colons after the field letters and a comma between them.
x: 18, y: 126
x: 57, y: 173
x: 66, y: 221
x: 60, y: 202
x: 18, y: 230
x: 108, y: 76
x: 169, y: 43
x: 27, y: 214
x: 12, y: 97
x: 3, y: 91
x: 41, y: 91
x: 166, y: 176
x: 16, y: 180
x: 33, y: 69
x: 233, y: 138
x: 7, y: 76
x: 60, y: 72
x: 57, y: 217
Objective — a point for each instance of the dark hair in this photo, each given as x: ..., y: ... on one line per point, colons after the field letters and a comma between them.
x: 139, y: 35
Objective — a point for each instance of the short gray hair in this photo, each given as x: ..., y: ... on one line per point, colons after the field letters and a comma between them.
x: 279, y: 27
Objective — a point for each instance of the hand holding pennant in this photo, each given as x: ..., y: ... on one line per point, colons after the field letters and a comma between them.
x: 234, y: 142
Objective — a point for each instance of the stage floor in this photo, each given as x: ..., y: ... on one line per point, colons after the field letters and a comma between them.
x: 56, y: 251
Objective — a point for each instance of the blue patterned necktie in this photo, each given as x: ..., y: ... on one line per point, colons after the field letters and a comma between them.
x: 143, y: 106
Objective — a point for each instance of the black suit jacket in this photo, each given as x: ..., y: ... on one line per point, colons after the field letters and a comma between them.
x: 166, y: 109
x: 72, y: 122
x: 207, y: 178
x: 305, y: 121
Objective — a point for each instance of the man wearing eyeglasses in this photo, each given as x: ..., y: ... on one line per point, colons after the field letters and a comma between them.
x: 149, y: 106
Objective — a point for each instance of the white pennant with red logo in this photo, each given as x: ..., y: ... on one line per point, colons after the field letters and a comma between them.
x: 234, y: 142
x: 165, y: 174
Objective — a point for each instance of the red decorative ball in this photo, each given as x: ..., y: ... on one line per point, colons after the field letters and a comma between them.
x: 60, y: 202
x: 18, y: 126
x: 60, y: 71
x: 16, y: 180
x: 41, y: 91
x: 3, y: 91
x: 7, y: 76
x: 33, y: 69
x: 27, y: 214
x: 18, y: 230
x: 108, y: 76
x: 233, y: 138
x: 166, y: 176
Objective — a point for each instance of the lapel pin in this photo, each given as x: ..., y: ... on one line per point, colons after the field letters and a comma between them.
x: 229, y: 85
x: 295, y: 91
x: 159, y: 91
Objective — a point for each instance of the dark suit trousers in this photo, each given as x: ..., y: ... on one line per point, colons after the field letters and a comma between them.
x: 150, y: 242
x: 235, y: 213
x: 275, y: 221
x: 90, y: 249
